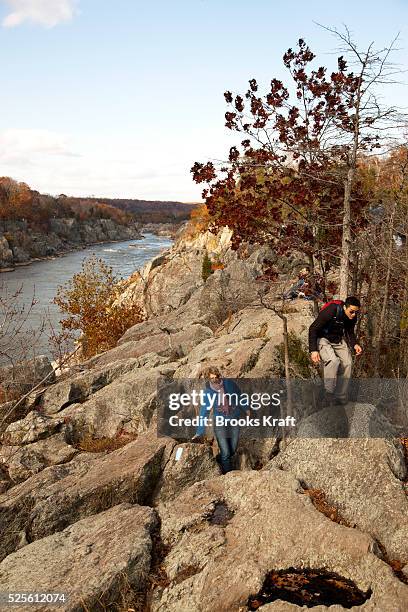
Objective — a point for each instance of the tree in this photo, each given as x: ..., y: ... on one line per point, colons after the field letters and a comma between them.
x: 290, y: 181
x: 90, y: 302
x: 368, y: 124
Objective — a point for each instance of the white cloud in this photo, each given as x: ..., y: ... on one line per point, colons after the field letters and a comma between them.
x: 48, y: 162
x: 22, y: 146
x: 44, y: 12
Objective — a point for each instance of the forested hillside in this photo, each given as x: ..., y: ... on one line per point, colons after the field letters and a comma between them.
x: 18, y: 201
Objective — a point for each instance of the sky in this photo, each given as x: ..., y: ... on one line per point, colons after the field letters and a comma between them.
x: 120, y: 98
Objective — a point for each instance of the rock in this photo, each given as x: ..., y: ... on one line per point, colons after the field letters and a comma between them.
x: 174, y: 322
x: 61, y: 495
x: 188, y: 463
x: 250, y: 524
x: 354, y: 420
x: 254, y: 453
x: 158, y: 289
x: 168, y: 282
x: 24, y: 243
x: 91, y: 561
x: 127, y: 404
x: 218, y: 243
x: 6, y: 254
x: 33, y: 427
x: 164, y: 344
x: 227, y: 291
x: 20, y: 255
x: 259, y: 322
x: 235, y: 356
x: 24, y: 461
x: 162, y: 229
x: 4, y: 480
x: 361, y: 478
x: 77, y: 388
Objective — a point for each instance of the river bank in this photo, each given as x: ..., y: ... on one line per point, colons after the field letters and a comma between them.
x: 40, y: 279
x: 12, y: 253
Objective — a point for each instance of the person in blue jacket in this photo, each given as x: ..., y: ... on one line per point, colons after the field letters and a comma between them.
x: 227, y: 435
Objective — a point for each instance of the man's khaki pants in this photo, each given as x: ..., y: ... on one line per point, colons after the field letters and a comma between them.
x: 337, y: 364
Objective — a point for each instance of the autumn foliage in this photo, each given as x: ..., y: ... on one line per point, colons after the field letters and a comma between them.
x: 88, y: 302
x: 286, y: 183
x: 18, y: 201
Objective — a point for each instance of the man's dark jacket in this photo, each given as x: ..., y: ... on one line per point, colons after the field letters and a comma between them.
x: 333, y: 324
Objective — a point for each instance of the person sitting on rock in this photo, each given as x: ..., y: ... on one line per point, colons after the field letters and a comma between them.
x: 308, y: 286
x: 226, y: 434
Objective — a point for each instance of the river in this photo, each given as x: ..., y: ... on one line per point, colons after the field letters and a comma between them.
x: 42, y: 278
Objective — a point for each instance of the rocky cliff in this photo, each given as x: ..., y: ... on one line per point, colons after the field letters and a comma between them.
x: 19, y: 243
x: 121, y: 520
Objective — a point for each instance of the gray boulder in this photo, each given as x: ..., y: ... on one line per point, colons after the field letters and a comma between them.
x: 78, y: 387
x: 362, y: 478
x: 33, y: 427
x: 252, y: 523
x: 166, y: 343
x: 187, y: 463
x: 61, y: 495
x: 22, y: 462
x: 127, y: 404
x: 94, y: 562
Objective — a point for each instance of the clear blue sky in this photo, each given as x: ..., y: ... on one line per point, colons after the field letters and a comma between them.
x: 119, y: 98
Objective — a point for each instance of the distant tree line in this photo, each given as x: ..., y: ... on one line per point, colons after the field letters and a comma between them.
x: 18, y: 201
x: 152, y: 211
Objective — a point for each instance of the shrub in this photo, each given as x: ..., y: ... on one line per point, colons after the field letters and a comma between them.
x: 89, y: 301
x: 298, y: 357
x: 206, y: 267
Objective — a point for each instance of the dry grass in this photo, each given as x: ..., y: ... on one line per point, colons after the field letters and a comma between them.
x: 90, y: 444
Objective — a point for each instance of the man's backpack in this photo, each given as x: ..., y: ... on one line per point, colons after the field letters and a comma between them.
x: 339, y: 303
x: 337, y: 317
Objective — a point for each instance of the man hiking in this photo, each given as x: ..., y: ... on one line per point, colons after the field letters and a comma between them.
x: 331, y: 340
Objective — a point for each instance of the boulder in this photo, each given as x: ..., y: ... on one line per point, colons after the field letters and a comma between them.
x: 354, y: 420
x: 6, y: 254
x: 11, y: 411
x: 168, y: 282
x: 33, y: 427
x: 165, y: 344
x: 235, y: 356
x: 165, y: 283
x: 174, y: 322
x: 227, y: 291
x: 127, y: 404
x: 61, y: 495
x: 362, y: 478
x: 93, y: 562
x: 78, y: 387
x: 4, y: 480
x: 188, y: 463
x: 248, y: 524
x: 22, y: 462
